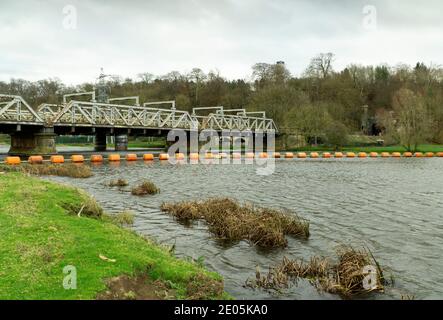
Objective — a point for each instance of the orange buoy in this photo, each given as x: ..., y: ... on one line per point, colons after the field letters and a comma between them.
x: 77, y: 158
x: 209, y: 155
x: 236, y: 155
x: 385, y: 154
x: 301, y: 155
x: 314, y: 155
x: 362, y: 155
x: 179, y: 156
x: 263, y: 155
x: 193, y: 156
x: 373, y: 154
x: 57, y: 159
x: 114, y: 157
x: 350, y: 155
x: 163, y: 156
x: 35, y: 159
x: 407, y: 154
x: 396, y: 154
x: 429, y: 154
x: 12, y: 160
x: 289, y: 155
x: 131, y: 157
x: 440, y: 154
x: 338, y: 155
x: 326, y: 155
x: 148, y: 157
x: 96, y: 158
x: 418, y: 155
x: 249, y: 155
x: 277, y: 155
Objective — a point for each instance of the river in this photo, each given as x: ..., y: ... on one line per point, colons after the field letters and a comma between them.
x: 393, y: 206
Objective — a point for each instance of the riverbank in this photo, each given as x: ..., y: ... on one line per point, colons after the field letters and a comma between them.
x: 397, y: 148
x: 40, y: 235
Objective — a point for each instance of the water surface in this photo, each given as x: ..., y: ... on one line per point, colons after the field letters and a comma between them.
x: 393, y: 206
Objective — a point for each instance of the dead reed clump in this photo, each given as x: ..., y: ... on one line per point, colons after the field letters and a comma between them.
x: 351, y: 270
x: 146, y: 187
x: 228, y: 220
x: 352, y: 274
x: 124, y: 218
x: 118, y: 183
x: 63, y: 170
x: 184, y: 212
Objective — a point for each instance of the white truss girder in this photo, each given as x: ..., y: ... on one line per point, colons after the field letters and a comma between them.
x: 13, y: 109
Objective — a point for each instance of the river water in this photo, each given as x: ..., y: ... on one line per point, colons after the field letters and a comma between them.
x: 392, y: 206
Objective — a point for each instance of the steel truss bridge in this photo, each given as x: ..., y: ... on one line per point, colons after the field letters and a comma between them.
x: 14, y: 110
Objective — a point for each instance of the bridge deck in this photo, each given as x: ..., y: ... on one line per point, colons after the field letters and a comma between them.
x: 15, y: 110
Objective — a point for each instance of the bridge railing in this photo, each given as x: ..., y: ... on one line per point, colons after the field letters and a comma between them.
x: 15, y: 110
x: 235, y: 122
x: 79, y: 113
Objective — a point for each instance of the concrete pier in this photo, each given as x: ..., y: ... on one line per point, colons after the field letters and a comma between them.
x: 41, y: 142
x: 121, y: 142
x: 100, y: 140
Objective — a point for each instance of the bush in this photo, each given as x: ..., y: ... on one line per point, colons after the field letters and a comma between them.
x: 336, y: 134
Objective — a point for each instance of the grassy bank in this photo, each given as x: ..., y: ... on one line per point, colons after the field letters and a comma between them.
x: 39, y: 236
x: 397, y: 148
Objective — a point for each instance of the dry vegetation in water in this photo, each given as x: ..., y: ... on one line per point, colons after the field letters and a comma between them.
x: 118, y: 183
x: 346, y: 277
x: 146, y: 187
x: 229, y: 220
x: 124, y: 218
x: 64, y: 170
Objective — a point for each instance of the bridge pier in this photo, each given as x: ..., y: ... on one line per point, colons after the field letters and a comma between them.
x: 100, y: 140
x: 42, y: 142
x: 121, y: 142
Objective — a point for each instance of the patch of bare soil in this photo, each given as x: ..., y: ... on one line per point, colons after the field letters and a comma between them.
x: 140, y: 287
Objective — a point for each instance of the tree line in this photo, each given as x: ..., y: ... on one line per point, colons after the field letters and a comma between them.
x: 402, y: 103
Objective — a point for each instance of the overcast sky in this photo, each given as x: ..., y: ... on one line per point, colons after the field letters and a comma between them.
x: 38, y: 39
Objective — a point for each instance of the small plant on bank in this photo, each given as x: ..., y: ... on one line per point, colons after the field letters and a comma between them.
x: 125, y: 217
x: 88, y: 207
x: 146, y: 187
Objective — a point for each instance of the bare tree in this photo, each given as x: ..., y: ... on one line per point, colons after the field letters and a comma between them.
x: 320, y: 66
x: 146, y: 77
x: 413, y: 123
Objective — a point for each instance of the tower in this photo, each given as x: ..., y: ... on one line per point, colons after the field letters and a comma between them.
x: 102, y: 88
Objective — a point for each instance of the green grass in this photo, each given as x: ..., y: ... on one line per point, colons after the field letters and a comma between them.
x: 397, y: 148
x: 38, y: 238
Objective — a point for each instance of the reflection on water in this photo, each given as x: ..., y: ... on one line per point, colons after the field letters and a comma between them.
x: 392, y: 206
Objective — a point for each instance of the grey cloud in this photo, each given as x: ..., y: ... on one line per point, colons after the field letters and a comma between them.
x: 127, y: 37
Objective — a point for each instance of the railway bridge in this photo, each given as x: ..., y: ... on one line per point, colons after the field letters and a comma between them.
x: 33, y: 129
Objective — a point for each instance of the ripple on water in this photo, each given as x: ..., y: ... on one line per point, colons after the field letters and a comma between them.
x: 392, y: 206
